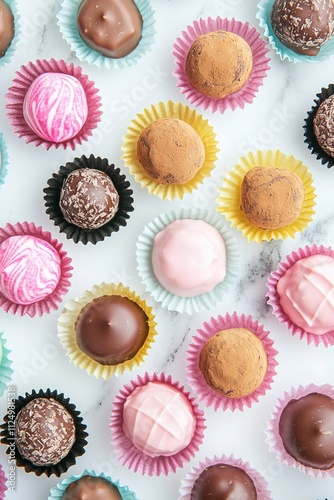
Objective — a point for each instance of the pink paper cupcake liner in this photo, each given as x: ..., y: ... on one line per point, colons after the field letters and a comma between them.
x: 260, y: 63
x: 196, y: 380
x: 51, y: 301
x: 273, y: 299
x: 132, y: 457
x: 259, y: 482
x: 274, y: 439
x: 24, y: 78
x: 3, y: 485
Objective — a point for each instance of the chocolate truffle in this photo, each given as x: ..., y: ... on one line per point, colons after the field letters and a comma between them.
x: 223, y: 482
x: 303, y: 25
x: 234, y: 362
x: 111, y: 27
x: 111, y: 329
x: 219, y: 63
x: 323, y: 125
x: 88, y: 198
x: 44, y: 432
x: 91, y: 488
x: 306, y: 427
x: 6, y: 27
x: 170, y: 151
x: 271, y: 198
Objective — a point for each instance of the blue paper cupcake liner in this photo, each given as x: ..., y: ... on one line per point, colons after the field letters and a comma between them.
x: 67, y: 22
x: 6, y: 371
x: 11, y: 49
x: 3, y: 158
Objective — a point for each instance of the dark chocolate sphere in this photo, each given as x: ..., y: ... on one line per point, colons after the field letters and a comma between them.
x: 303, y: 25
x: 91, y: 488
x: 323, y: 125
x: 88, y: 198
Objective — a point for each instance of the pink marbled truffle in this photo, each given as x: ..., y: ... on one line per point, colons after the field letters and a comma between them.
x: 29, y: 269
x: 55, y: 107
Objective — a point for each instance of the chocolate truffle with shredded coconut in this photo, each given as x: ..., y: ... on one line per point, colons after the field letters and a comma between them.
x: 323, y: 125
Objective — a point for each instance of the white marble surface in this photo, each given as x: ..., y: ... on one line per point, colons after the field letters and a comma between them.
x: 274, y: 120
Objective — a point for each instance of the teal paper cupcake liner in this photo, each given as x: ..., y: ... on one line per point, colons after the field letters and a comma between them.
x: 12, y: 48
x: 3, y: 158
x: 67, y: 22
x: 6, y: 370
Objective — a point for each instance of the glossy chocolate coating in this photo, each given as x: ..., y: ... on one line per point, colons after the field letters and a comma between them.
x: 306, y: 427
x: 223, y: 482
x: 111, y: 27
x: 91, y: 488
x: 303, y: 25
x: 6, y: 27
x: 111, y: 329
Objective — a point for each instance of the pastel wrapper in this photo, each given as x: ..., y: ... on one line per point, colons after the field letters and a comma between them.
x: 134, y: 459
x: 169, y: 109
x: 230, y: 192
x: 67, y: 22
x: 326, y: 339
x: 6, y: 58
x: 3, y: 159
x: 173, y: 302
x: 3, y: 485
x: 260, y: 63
x: 6, y: 370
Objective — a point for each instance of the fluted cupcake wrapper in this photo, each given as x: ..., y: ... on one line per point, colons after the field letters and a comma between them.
x: 169, y: 109
x: 326, y: 339
x: 77, y: 234
x: 309, y: 135
x: 274, y: 439
x: 204, y: 392
x: 259, y: 482
x: 67, y: 334
x: 132, y: 457
x: 263, y: 14
x: 67, y: 22
x: 177, y: 303
x: 260, y: 63
x: 58, y: 491
x: 21, y: 83
x: 6, y: 370
x: 3, y: 159
x: 77, y: 450
x: 50, y: 302
x: 230, y: 194
x: 6, y: 58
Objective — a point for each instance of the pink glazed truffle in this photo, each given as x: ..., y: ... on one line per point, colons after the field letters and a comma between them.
x: 55, y: 107
x: 189, y: 257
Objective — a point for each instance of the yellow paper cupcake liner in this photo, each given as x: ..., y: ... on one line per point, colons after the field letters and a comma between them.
x: 142, y: 120
x: 67, y: 335
x: 230, y: 192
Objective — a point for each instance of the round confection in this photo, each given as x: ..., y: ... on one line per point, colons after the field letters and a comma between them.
x: 234, y: 362
x: 303, y: 25
x: 306, y: 427
x: 29, y: 269
x: 323, y: 125
x: 6, y: 27
x: 170, y: 151
x: 271, y: 198
x: 306, y: 293
x: 91, y: 488
x: 219, y: 63
x: 88, y: 198
x: 44, y: 432
x: 55, y: 107
x: 223, y: 482
x: 189, y: 257
x: 158, y: 419
x: 111, y: 27
x: 111, y: 329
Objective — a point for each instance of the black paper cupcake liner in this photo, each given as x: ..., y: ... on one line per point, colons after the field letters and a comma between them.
x: 77, y: 234
x: 8, y: 434
x: 310, y: 137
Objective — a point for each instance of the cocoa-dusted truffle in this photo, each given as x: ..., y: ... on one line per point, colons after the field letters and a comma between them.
x: 6, y: 27
x: 219, y: 63
x: 170, y: 151
x: 303, y: 25
x: 323, y: 125
x: 271, y: 198
x: 234, y: 362
x: 88, y: 198
x: 44, y: 432
x: 91, y: 488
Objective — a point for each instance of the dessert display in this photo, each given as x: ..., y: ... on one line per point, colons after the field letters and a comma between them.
x: 90, y: 487
x: 7, y: 27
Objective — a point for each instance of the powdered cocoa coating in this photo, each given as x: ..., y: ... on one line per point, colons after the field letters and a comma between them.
x: 323, y: 125
x: 219, y: 63
x: 170, y: 151
x: 234, y: 362
x: 271, y: 197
